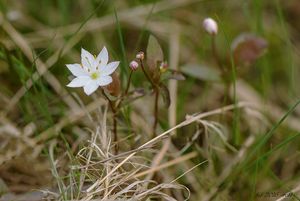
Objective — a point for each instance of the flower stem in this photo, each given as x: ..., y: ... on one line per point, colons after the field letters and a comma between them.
x: 128, y: 83
x: 118, y: 105
x: 115, y: 133
x: 155, y: 112
x: 146, y: 74
x: 114, y: 111
x: 156, y: 92
x: 216, y: 55
x: 221, y: 67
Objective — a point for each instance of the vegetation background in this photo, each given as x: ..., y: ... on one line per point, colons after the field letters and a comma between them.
x: 55, y: 141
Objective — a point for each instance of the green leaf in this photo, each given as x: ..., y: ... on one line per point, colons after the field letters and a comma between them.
x: 247, y: 48
x: 165, y: 94
x: 172, y: 74
x: 201, y: 72
x: 154, y: 56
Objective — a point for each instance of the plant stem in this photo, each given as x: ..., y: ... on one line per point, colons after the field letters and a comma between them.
x: 221, y: 67
x: 115, y: 108
x: 156, y: 91
x: 216, y: 55
x: 115, y: 133
x: 118, y: 104
x: 146, y: 74
x: 128, y: 83
x: 114, y: 111
x: 155, y: 112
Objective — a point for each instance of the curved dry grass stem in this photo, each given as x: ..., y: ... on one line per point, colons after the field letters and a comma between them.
x: 167, y: 164
x: 229, y: 168
x: 121, y: 184
x: 124, y: 15
x: 40, y: 66
x: 38, y: 114
x: 189, y: 120
x: 289, y: 195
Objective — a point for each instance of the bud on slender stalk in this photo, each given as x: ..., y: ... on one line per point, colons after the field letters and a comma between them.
x: 210, y: 26
x: 140, y: 55
x: 133, y: 65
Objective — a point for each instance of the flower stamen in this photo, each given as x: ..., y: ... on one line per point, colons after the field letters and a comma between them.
x: 95, y: 75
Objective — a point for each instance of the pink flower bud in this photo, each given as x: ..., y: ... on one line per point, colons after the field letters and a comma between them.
x: 210, y: 26
x: 140, y: 55
x: 134, y: 65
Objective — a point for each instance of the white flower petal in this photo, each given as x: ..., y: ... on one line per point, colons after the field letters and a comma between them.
x: 102, y: 57
x: 88, y: 60
x: 104, y: 80
x: 90, y: 87
x: 79, y: 81
x: 90, y: 69
x: 109, y: 68
x: 76, y: 69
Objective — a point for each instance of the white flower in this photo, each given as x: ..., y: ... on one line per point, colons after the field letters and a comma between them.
x: 210, y: 26
x: 93, y: 72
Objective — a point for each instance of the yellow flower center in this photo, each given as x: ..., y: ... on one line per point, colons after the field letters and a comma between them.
x: 95, y: 75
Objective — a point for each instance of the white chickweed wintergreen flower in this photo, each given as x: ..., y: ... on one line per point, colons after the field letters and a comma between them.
x: 93, y: 72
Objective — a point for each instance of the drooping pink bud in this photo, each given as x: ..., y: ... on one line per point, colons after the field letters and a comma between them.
x: 134, y: 65
x: 210, y: 26
x: 140, y: 55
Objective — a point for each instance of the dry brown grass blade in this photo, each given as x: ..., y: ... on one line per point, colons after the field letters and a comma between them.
x: 102, y: 23
x: 70, y: 118
x: 229, y: 168
x: 41, y: 67
x: 23, y: 141
x: 174, y: 43
x: 62, y: 49
x: 167, y: 164
x: 96, y: 24
x: 9, y: 128
x: 288, y: 195
x: 37, y: 75
x: 189, y: 120
x: 245, y: 92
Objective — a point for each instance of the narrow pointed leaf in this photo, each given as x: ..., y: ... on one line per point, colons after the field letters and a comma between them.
x: 172, y: 74
x: 201, y: 72
x: 154, y: 56
x: 165, y: 94
x: 247, y: 48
